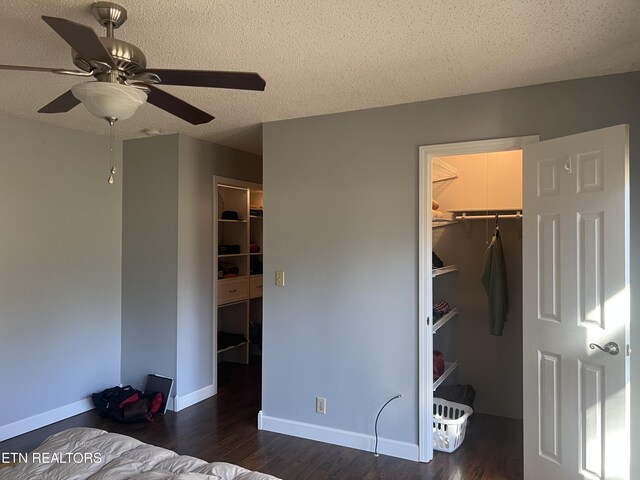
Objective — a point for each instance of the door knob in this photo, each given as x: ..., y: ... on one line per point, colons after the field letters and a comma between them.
x: 611, y: 348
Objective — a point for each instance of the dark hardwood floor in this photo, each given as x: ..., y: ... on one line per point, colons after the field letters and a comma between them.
x: 223, y: 428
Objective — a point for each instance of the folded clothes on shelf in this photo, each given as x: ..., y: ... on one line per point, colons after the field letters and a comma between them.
x: 227, y: 270
x: 440, y: 309
x: 228, y: 249
x: 229, y: 215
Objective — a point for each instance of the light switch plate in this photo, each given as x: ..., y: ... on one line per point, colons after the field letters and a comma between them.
x: 280, y: 279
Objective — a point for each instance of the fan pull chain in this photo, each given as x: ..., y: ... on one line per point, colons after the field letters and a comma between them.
x: 112, y: 137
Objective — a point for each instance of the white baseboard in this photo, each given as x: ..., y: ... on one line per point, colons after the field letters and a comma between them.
x: 393, y: 448
x: 45, y: 418
x: 180, y: 403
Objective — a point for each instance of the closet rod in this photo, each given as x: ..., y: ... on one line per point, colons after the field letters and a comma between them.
x: 486, y: 217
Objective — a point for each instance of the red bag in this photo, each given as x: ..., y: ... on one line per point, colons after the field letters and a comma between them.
x: 156, y: 401
x: 128, y: 400
x: 438, y: 364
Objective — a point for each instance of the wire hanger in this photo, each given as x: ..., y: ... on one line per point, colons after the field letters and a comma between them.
x: 496, y: 232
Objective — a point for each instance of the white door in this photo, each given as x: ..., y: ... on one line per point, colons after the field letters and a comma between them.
x: 576, y: 294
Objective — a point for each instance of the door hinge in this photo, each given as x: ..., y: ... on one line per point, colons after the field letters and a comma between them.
x: 628, y: 350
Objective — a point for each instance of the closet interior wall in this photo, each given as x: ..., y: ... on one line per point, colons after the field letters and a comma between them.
x: 491, y: 364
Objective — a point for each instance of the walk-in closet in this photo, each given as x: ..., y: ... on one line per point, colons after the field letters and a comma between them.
x: 237, y: 258
x: 476, y: 199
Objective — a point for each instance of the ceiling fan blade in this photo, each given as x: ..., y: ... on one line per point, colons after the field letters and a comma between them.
x: 206, y: 78
x: 63, y: 103
x: 59, y: 71
x: 83, y: 39
x: 177, y: 107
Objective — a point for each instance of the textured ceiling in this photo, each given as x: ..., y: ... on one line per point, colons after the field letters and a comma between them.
x: 322, y: 56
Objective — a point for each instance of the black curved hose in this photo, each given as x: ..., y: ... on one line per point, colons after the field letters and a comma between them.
x: 375, y: 427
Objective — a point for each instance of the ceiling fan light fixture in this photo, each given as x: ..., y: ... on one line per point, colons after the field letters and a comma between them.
x: 109, y: 100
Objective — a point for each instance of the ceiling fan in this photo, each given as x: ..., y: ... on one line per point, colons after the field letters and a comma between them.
x: 122, y: 80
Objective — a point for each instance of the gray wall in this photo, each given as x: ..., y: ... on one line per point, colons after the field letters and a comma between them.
x: 167, y: 258
x: 195, y: 284
x: 149, y: 258
x: 341, y: 192
x: 60, y: 225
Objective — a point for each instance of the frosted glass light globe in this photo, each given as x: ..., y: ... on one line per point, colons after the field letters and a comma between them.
x: 109, y: 100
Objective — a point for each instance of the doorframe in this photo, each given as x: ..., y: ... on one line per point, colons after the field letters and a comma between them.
x: 425, y: 302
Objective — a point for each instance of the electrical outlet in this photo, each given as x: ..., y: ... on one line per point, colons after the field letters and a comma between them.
x: 321, y: 405
x: 280, y: 279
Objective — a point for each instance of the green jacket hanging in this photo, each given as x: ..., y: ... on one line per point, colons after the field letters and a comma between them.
x: 494, y: 279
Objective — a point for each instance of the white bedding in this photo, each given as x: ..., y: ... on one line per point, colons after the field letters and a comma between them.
x: 92, y: 454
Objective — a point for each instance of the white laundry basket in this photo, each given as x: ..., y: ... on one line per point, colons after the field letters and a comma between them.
x: 449, y: 424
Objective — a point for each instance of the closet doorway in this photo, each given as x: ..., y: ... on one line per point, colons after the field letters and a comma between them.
x: 467, y: 185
